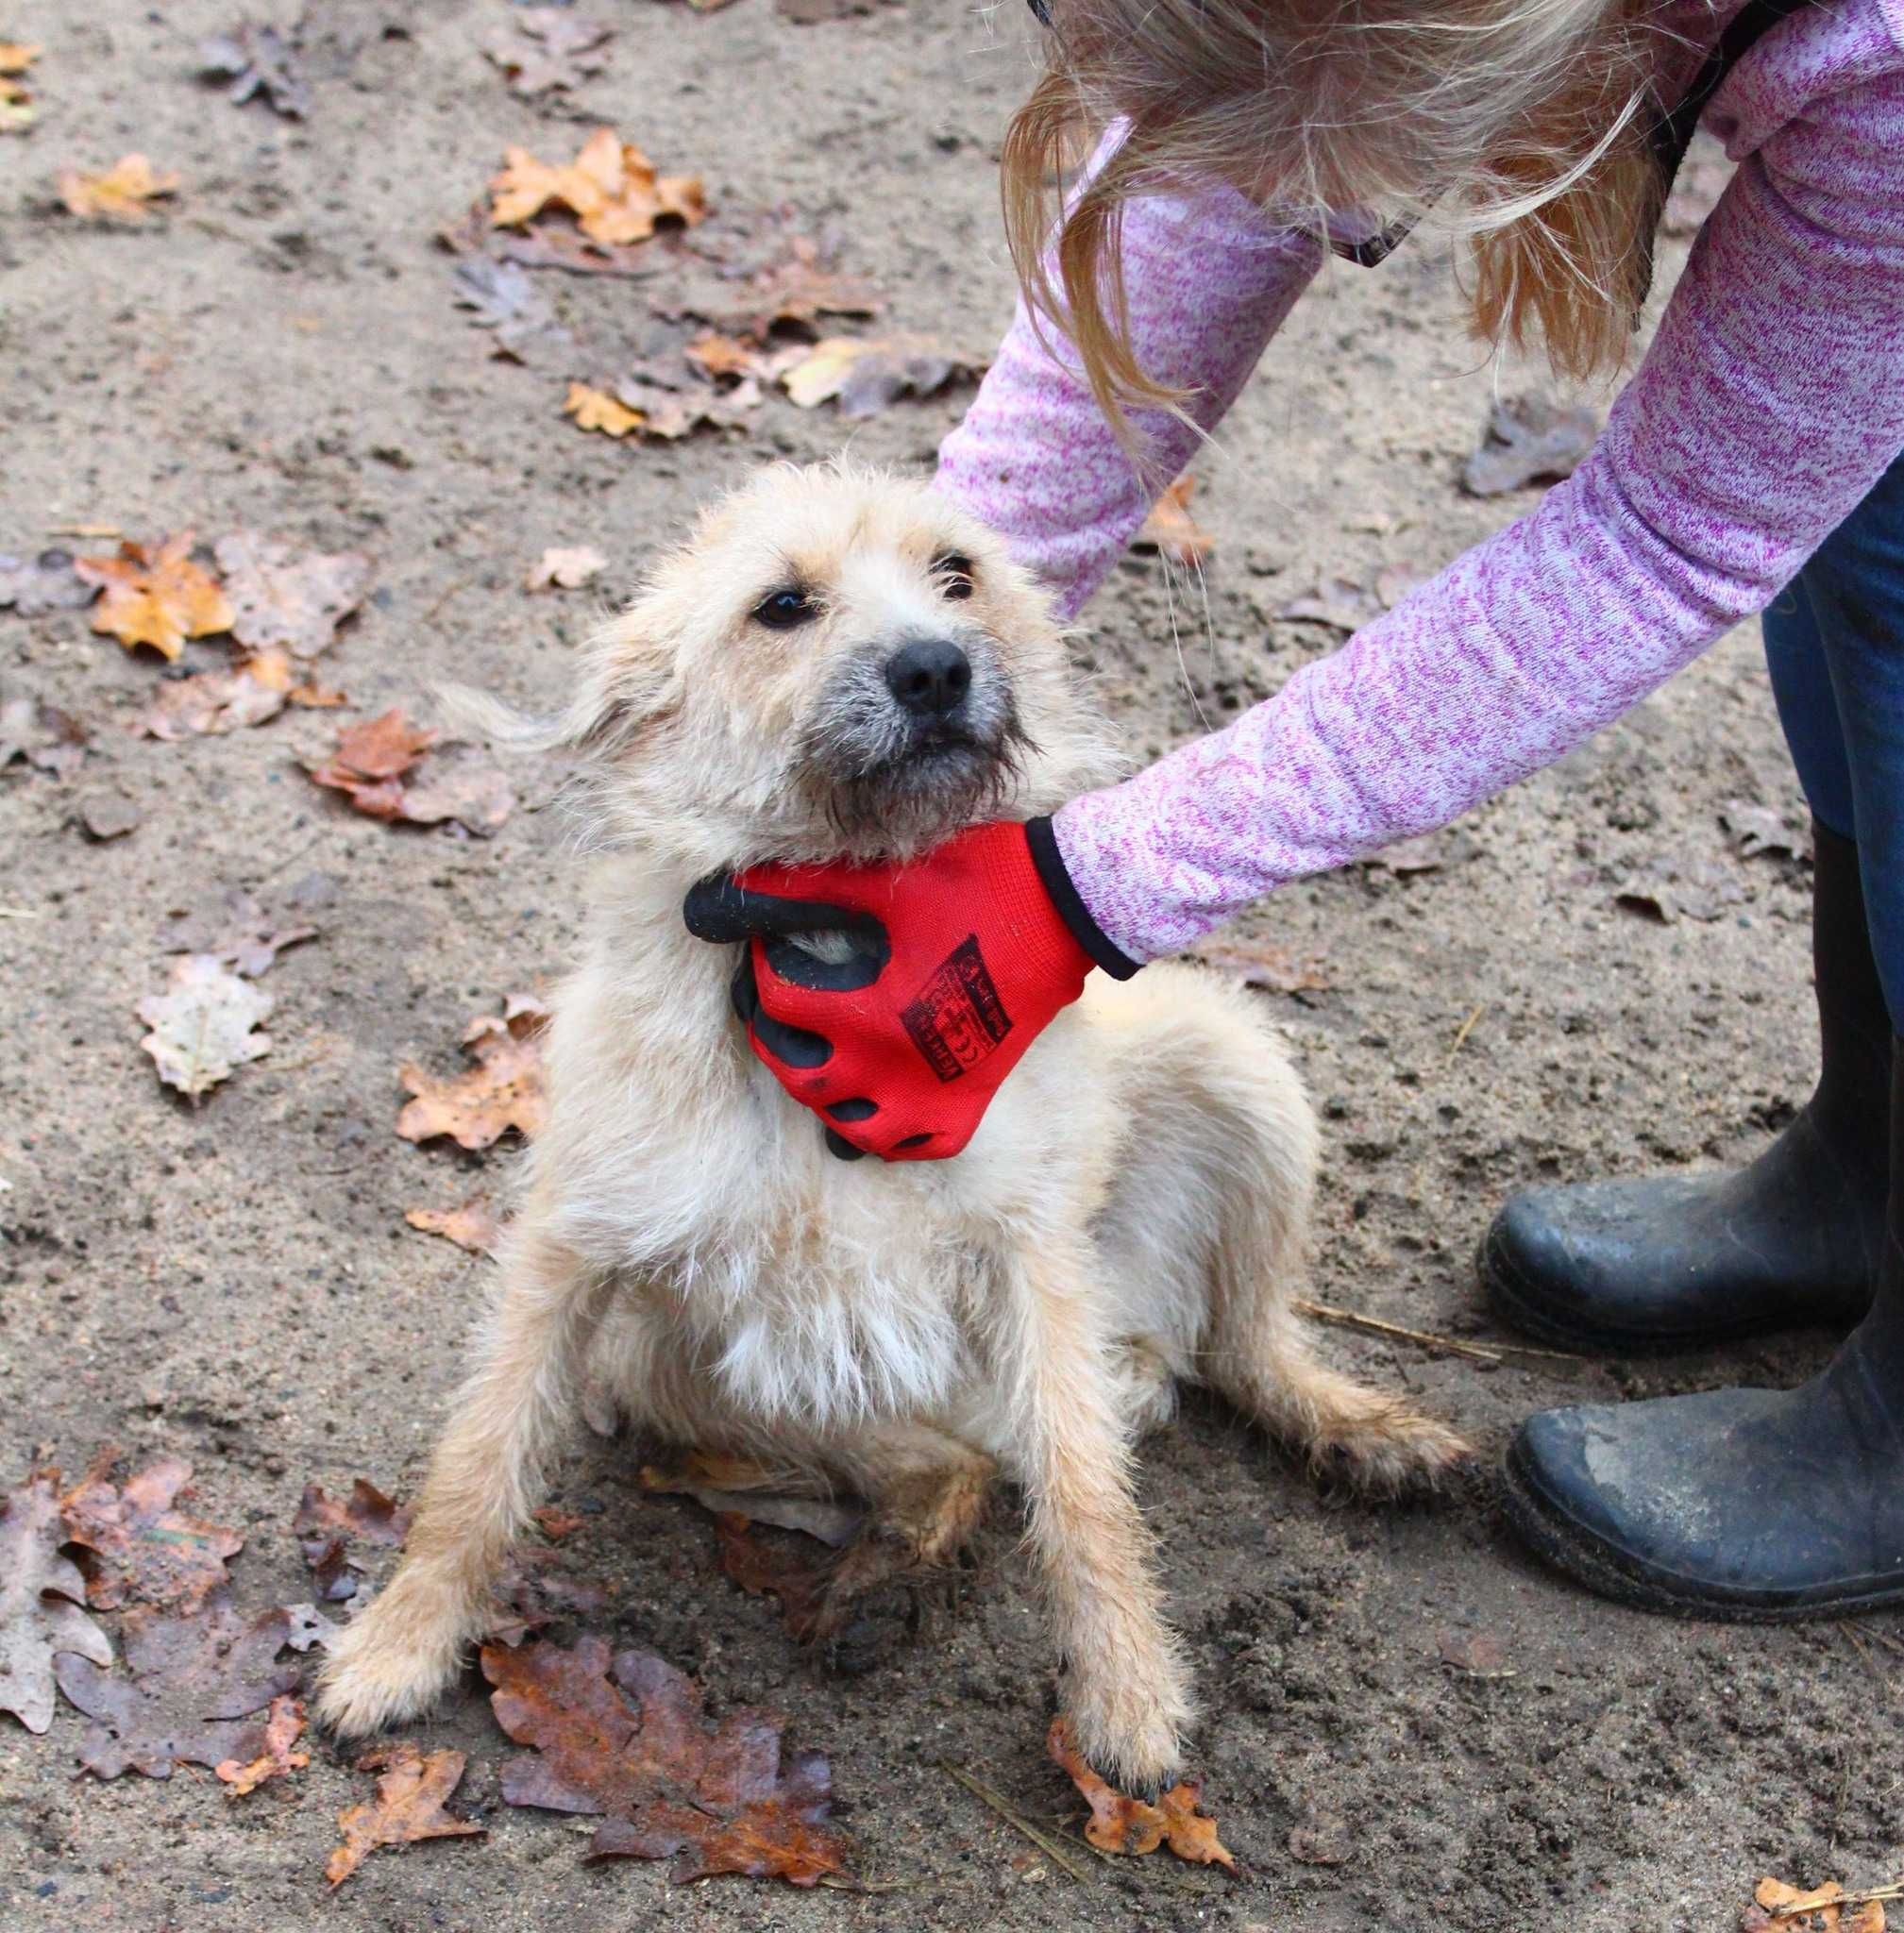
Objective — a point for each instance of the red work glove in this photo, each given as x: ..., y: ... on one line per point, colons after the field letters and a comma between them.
x: 960, y: 960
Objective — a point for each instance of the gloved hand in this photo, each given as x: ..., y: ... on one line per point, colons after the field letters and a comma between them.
x: 959, y: 961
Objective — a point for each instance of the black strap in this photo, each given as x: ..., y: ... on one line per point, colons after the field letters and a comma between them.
x: 1672, y: 132
x: 1669, y: 138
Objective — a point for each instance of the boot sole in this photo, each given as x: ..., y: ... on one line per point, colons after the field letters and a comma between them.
x: 1558, y: 1541
x: 1514, y: 1298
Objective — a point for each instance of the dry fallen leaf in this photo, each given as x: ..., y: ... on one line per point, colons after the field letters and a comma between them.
x: 372, y: 766
x: 502, y: 297
x: 276, y: 1759
x: 188, y: 1684
x: 156, y: 596
x: 42, y: 1593
x: 595, y: 409
x: 46, y: 582
x: 139, y: 1549
x: 1757, y: 828
x: 548, y: 48
x: 565, y: 569
x: 629, y: 1742
x: 17, y: 110
x: 1675, y: 887
x: 368, y: 1515
x: 120, y: 194
x: 233, y: 929
x: 1781, y: 1908
x: 1172, y: 530
x: 1474, y: 1654
x: 739, y: 1486
x: 867, y: 376
x: 1119, y: 1824
x: 411, y: 1797
x: 474, y: 1226
x: 796, y: 284
x: 611, y: 188
x: 1267, y: 968
x: 288, y: 597
x: 258, y: 59
x: 537, y: 1588
x: 771, y: 1570
x: 1529, y: 439
x: 211, y: 703
x: 48, y: 738
x: 505, y: 1089
x: 202, y: 1025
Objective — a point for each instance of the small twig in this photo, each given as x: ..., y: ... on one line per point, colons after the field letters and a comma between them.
x: 429, y: 615
x: 1452, y: 1345
x: 1467, y: 1027
x: 1892, y: 1890
x: 85, y: 530
x: 19, y: 913
x: 1048, y: 1843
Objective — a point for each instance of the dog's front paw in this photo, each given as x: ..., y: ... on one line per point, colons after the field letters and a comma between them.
x: 389, y: 1665
x: 1131, y: 1735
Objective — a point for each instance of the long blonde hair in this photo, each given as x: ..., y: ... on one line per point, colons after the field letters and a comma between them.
x: 1520, y: 123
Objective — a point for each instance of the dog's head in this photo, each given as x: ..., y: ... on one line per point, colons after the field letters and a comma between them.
x: 836, y: 664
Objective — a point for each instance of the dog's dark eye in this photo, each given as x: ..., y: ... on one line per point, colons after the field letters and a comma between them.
x: 954, y: 575
x: 783, y: 610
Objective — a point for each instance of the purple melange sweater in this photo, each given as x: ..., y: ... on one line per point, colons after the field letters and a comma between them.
x: 1770, y: 402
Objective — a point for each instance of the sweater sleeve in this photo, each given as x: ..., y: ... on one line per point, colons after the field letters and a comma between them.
x: 1209, y: 279
x: 1771, y: 402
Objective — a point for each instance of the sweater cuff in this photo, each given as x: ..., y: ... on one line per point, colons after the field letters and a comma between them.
x: 1070, y: 903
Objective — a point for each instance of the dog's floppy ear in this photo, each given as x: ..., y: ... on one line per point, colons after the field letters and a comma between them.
x: 620, y: 688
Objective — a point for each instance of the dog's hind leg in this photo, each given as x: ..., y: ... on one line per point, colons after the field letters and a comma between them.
x: 926, y: 1493
x: 1206, y: 1232
x: 483, y: 1480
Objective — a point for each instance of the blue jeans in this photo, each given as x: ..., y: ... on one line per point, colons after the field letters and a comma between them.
x: 1835, y: 641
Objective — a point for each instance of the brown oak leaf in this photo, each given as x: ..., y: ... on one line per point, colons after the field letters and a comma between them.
x: 1529, y: 439
x: 1778, y: 1908
x: 548, y: 48
x: 202, y: 1025
x: 122, y: 193
x: 1263, y: 967
x: 48, y: 738
x: 411, y: 1797
x: 229, y: 925
x: 366, y: 1516
x: 138, y: 1547
x: 795, y: 285
x: 627, y: 1742
x: 155, y: 595
x: 372, y: 766
x: 288, y: 597
x: 565, y: 569
x: 505, y: 1089
x: 191, y: 1683
x: 611, y: 188
x: 1120, y: 1825
x: 46, y: 582
x: 257, y: 58
x: 42, y: 1595
x: 867, y: 376
x: 474, y: 1226
x: 276, y: 1759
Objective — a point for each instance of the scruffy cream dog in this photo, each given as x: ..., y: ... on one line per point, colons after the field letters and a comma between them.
x: 1132, y: 1214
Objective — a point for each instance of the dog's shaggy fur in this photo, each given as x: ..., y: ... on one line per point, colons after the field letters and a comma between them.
x: 1133, y: 1213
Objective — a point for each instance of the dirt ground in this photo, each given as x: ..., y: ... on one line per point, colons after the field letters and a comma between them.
x: 235, y: 1282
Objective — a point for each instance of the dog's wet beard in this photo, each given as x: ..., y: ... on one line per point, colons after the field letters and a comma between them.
x: 883, y: 776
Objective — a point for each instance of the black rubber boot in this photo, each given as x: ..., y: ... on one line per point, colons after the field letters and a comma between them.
x: 1748, y: 1505
x: 1672, y: 1261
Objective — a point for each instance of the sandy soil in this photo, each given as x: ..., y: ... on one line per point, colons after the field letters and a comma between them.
x: 236, y: 1282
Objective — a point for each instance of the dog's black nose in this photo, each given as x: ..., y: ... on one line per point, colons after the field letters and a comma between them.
x: 929, y: 676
